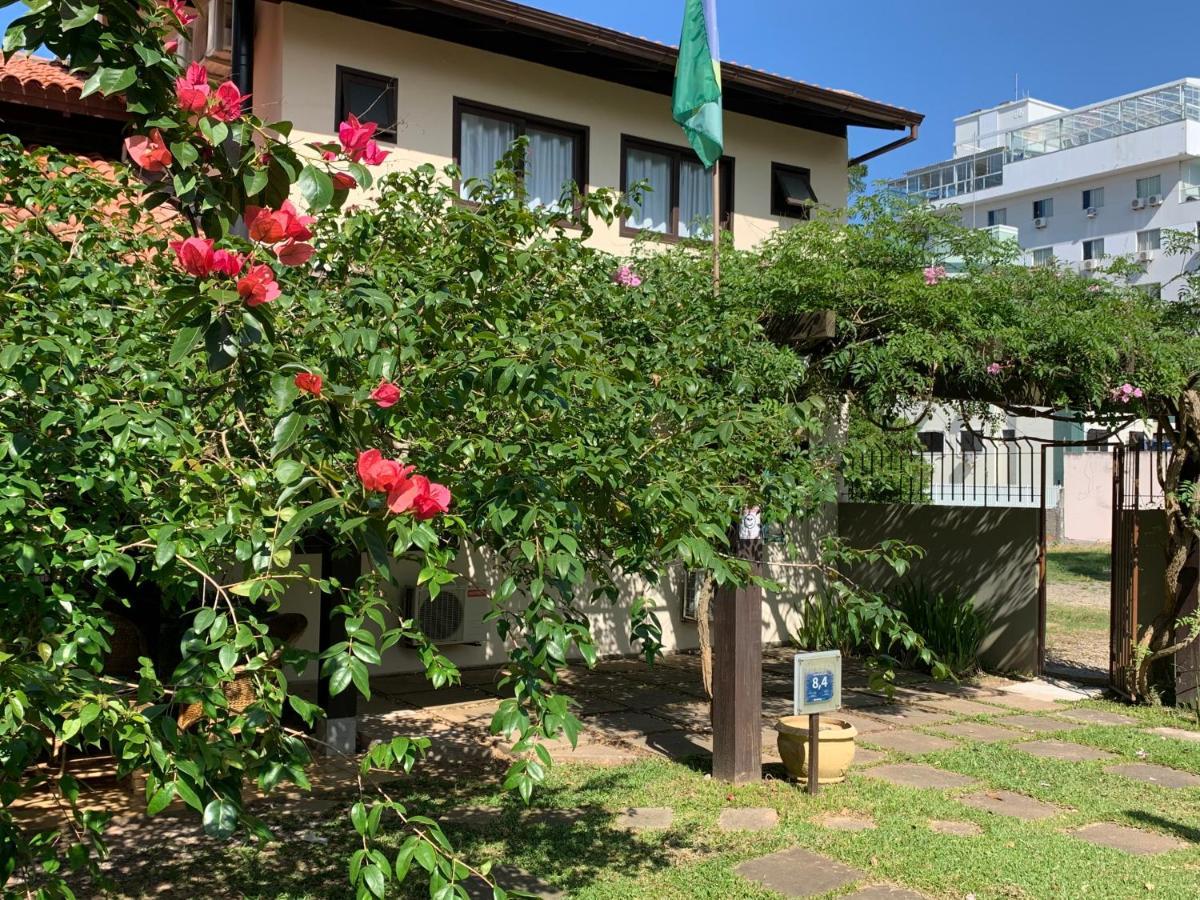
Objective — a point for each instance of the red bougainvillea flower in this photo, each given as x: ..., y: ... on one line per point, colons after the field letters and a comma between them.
x: 293, y: 253
x: 309, y: 383
x: 354, y: 134
x: 343, y: 181
x: 227, y: 262
x: 150, y: 153
x: 272, y: 226
x: 370, y: 154
x: 182, y: 13
x: 258, y: 286
x: 379, y: 474
x: 432, y: 499
x: 194, y: 255
x: 387, y: 394
x: 227, y: 104
x: 170, y: 47
x: 192, y: 90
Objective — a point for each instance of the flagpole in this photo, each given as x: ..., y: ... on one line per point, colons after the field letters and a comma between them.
x: 716, y: 218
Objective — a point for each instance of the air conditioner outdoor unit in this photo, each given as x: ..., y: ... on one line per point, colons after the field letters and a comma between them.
x: 1155, y: 200
x: 1145, y: 255
x: 1138, y: 203
x: 450, y: 618
x: 1090, y: 265
x: 1092, y: 212
x: 1039, y: 222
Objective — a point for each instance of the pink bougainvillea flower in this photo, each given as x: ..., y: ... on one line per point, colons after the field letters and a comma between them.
x: 385, y: 395
x: 182, y: 13
x: 227, y: 104
x: 227, y: 262
x: 192, y: 90
x: 272, y: 226
x: 293, y: 253
x: 432, y: 499
x: 150, y: 153
x: 354, y: 135
x: 343, y: 181
x: 1138, y: 393
x: 934, y: 274
x: 170, y: 47
x: 258, y: 286
x: 1094, y: 288
x: 309, y: 383
x: 381, y: 475
x: 626, y: 277
x: 194, y: 255
x: 370, y: 154
x: 995, y: 368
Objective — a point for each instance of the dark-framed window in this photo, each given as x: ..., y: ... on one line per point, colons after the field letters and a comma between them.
x: 932, y: 441
x: 792, y: 196
x: 556, y: 155
x: 679, y: 204
x: 372, y: 98
x: 970, y: 441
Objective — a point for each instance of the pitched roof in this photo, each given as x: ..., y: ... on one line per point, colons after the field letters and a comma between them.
x: 33, y: 81
x: 513, y: 29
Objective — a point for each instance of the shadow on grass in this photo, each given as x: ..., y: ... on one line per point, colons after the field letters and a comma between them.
x: 1185, y: 832
x: 1079, y: 565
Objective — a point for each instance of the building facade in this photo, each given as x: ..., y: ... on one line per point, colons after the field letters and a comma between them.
x: 1079, y: 187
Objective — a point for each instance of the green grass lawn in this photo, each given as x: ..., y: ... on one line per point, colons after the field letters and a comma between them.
x: 1078, y: 563
x: 1060, y: 617
x: 1010, y: 859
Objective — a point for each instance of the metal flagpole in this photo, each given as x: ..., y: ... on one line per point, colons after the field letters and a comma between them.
x: 716, y: 220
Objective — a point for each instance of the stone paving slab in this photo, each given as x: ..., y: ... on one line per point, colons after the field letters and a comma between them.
x: 1179, y: 734
x: 978, y: 732
x: 861, y: 700
x: 676, y: 744
x: 445, y: 696
x: 751, y: 818
x: 555, y: 817
x: 480, y: 817
x: 650, y: 698
x: 958, y: 829
x: 862, y: 724
x: 1064, y: 751
x: 960, y: 705
x: 798, y: 873
x: 899, y: 714
x: 1152, y: 774
x: 1131, y: 840
x: 592, y: 704
x: 1040, y: 724
x: 864, y: 756
x: 628, y: 724
x: 691, y: 713
x: 1097, y: 717
x: 968, y: 691
x: 919, y: 776
x: 884, y: 892
x: 1024, y: 703
x: 645, y: 818
x: 511, y: 879
x: 912, y: 742
x: 1006, y: 803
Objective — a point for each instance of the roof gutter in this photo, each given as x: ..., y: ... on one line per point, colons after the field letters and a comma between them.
x: 887, y: 148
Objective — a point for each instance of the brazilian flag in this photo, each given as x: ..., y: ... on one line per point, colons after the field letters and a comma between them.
x: 696, y: 100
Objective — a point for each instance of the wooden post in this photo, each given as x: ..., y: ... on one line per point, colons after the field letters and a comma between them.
x: 340, y: 727
x: 814, y: 750
x: 737, y: 675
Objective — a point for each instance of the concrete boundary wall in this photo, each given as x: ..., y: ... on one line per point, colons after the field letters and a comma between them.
x: 989, y: 554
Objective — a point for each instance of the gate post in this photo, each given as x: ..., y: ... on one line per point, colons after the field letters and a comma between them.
x: 737, y: 674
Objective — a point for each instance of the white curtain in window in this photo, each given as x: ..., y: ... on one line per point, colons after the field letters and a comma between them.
x: 549, y: 165
x: 695, y: 200
x: 654, y: 213
x: 483, y: 142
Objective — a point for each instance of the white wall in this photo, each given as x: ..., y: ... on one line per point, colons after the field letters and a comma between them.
x: 295, y: 80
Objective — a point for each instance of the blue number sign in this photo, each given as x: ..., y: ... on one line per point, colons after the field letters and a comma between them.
x: 818, y: 687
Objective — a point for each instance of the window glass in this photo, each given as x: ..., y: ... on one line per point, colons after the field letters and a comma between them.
x: 695, y: 200
x: 654, y: 211
x: 1043, y: 209
x: 1149, y: 186
x: 1093, y: 249
x: 372, y: 98
x: 1093, y: 199
x: 1190, y: 181
x: 1043, y: 256
x: 1149, y: 240
x: 482, y: 142
x: 549, y: 167
x: 997, y: 217
x: 932, y: 441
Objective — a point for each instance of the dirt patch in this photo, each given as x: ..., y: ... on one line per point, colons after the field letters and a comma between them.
x: 1077, y: 624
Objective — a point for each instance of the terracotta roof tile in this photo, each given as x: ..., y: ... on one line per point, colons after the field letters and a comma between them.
x: 34, y: 81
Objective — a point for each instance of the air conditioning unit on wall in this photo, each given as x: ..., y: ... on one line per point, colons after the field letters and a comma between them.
x: 1039, y: 222
x: 1138, y: 203
x: 1155, y: 199
x: 1090, y: 265
x: 1144, y: 256
x: 1092, y: 212
x: 454, y: 616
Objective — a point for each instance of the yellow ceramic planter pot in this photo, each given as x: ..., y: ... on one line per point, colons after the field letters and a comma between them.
x: 834, y: 756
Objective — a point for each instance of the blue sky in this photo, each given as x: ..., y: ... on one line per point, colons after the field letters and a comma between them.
x: 939, y: 57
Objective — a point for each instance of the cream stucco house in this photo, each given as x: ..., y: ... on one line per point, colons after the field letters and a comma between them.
x: 454, y: 81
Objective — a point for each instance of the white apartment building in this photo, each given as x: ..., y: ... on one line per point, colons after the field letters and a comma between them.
x: 1079, y: 185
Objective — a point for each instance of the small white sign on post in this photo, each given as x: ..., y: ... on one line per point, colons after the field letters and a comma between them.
x: 818, y: 687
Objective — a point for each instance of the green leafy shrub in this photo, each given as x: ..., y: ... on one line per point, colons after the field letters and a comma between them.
x: 949, y: 622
